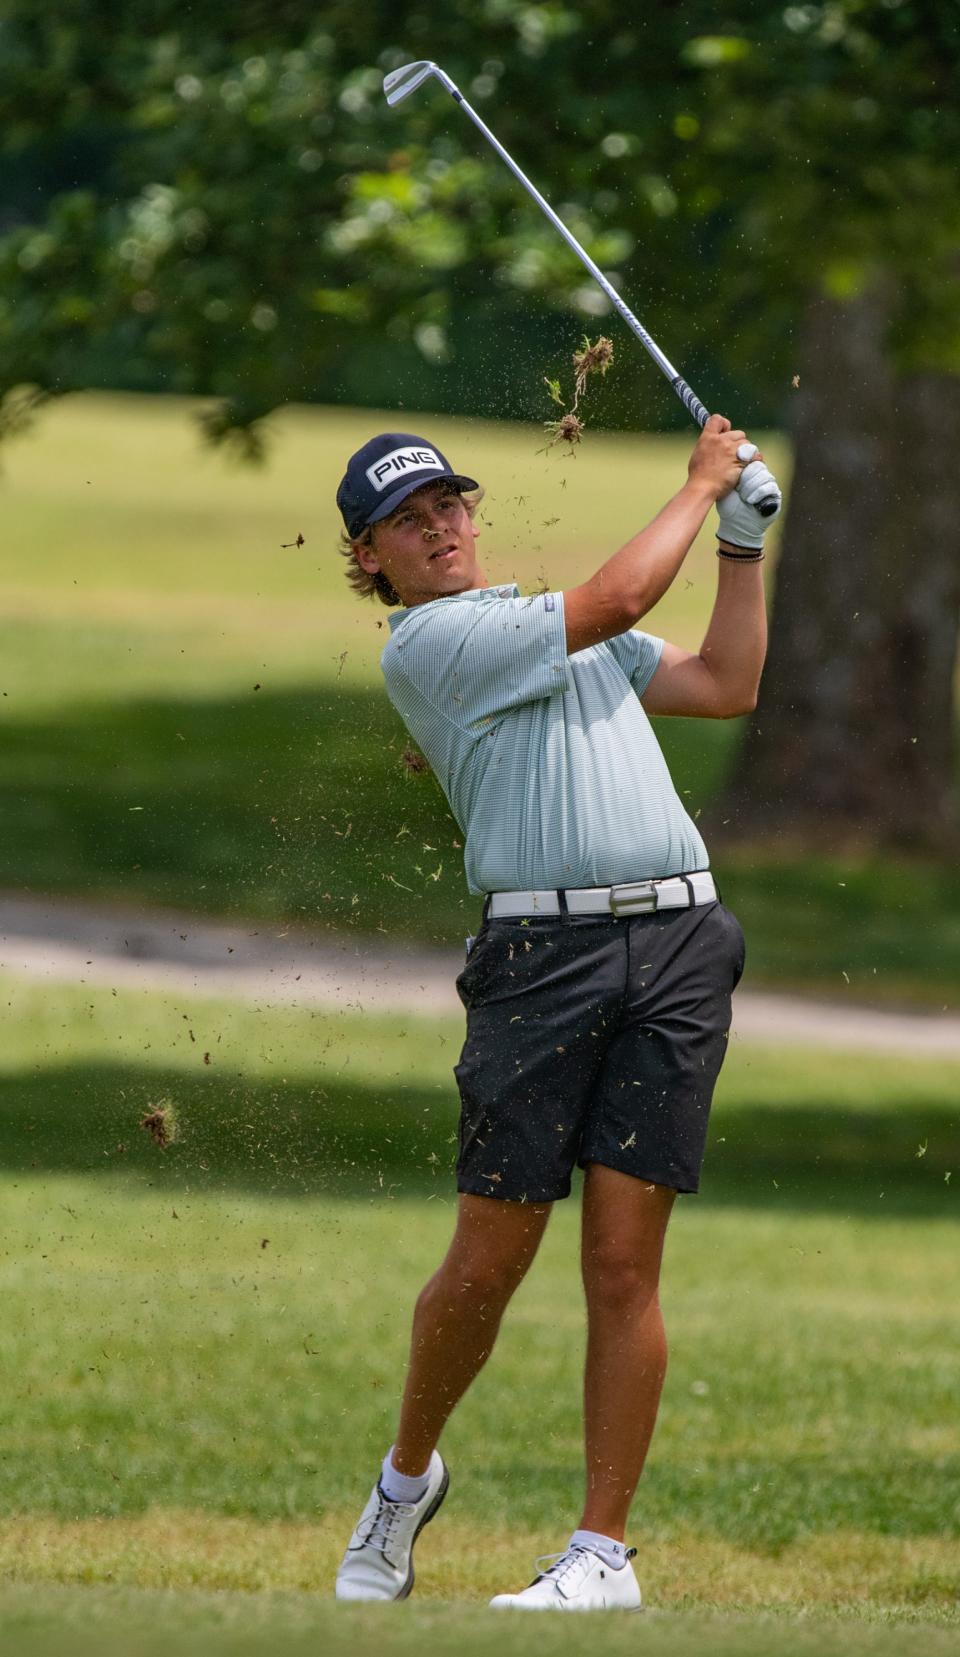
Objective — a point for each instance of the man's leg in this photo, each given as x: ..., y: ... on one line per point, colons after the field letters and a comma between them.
x: 454, y: 1327
x: 624, y: 1224
x: 458, y: 1314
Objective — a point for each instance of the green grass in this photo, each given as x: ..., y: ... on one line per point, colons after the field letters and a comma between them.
x: 148, y: 593
x: 121, y: 530
x: 193, y: 712
x: 203, y: 1347
x: 163, y: 1360
x: 143, y: 1623
x: 308, y: 1103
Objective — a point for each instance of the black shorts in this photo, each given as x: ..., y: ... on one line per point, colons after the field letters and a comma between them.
x: 592, y: 1038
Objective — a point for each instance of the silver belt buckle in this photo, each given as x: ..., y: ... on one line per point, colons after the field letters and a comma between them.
x: 638, y: 898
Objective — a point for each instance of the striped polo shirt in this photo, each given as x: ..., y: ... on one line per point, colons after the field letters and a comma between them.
x: 548, y: 761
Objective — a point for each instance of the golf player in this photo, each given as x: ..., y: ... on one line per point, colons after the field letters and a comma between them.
x: 597, y: 990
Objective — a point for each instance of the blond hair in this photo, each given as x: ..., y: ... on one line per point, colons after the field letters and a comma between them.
x: 377, y: 585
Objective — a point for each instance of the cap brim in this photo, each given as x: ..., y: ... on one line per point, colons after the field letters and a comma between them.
x: 456, y: 479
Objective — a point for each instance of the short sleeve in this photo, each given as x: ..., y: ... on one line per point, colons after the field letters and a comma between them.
x: 638, y: 655
x: 477, y: 660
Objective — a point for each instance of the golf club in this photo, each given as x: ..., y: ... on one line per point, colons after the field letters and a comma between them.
x: 401, y: 82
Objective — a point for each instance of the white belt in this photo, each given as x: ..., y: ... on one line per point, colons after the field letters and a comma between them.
x: 634, y: 897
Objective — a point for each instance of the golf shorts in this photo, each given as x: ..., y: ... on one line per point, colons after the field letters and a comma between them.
x: 592, y: 1038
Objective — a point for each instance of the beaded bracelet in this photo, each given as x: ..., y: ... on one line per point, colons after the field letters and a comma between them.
x: 742, y: 557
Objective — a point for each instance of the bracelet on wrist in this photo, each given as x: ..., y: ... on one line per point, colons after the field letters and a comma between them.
x: 742, y: 557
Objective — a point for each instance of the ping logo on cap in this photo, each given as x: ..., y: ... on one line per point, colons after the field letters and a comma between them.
x: 389, y: 467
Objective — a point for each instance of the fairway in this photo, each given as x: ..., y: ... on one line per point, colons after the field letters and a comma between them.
x: 249, y: 1047
x: 193, y: 712
x: 118, y: 518
x: 138, y: 1623
x: 199, y: 1410
x: 205, y: 1344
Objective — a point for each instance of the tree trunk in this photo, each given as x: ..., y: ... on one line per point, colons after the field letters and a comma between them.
x: 853, y: 739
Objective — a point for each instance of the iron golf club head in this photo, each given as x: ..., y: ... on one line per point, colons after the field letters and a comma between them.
x: 401, y: 82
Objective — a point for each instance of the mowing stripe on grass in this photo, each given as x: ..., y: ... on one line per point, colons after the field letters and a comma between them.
x: 104, y: 1621
x: 846, y: 1572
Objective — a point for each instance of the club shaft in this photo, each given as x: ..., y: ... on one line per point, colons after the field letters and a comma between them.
x: 688, y: 398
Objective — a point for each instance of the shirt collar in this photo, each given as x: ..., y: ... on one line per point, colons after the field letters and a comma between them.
x: 509, y: 589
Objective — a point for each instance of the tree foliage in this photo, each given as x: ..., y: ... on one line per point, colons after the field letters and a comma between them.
x: 223, y: 203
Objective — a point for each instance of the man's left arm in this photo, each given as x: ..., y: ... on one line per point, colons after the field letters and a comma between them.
x: 722, y: 680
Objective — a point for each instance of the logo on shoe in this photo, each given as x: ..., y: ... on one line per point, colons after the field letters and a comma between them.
x: 400, y: 461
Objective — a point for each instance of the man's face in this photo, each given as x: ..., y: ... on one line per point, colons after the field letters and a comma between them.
x: 427, y: 548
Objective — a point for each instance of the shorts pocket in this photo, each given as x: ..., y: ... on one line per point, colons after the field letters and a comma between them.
x: 738, y: 943
x: 473, y: 948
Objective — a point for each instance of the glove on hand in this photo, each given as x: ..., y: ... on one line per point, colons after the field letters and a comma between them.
x: 741, y: 525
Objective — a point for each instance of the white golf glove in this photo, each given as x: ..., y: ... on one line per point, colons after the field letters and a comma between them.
x: 740, y: 523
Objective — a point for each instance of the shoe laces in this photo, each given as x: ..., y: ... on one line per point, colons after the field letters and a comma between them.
x: 568, y: 1568
x: 381, y: 1525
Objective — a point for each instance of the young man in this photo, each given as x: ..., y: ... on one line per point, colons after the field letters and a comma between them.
x: 598, y: 987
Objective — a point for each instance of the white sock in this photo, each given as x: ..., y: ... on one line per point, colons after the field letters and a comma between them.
x: 612, y: 1553
x: 401, y: 1487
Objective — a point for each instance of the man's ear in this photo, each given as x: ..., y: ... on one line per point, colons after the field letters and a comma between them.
x: 366, y: 557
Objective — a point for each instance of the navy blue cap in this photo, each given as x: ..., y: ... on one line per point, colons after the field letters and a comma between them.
x: 385, y: 471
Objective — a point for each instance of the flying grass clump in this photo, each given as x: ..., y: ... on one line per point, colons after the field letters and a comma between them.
x: 592, y: 358
x: 569, y: 429
x: 161, y: 1123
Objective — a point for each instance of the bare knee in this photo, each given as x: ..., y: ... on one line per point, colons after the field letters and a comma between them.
x: 475, y: 1280
x: 618, y: 1278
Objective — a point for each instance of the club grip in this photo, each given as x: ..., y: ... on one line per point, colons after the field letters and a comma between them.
x: 690, y: 401
x: 768, y: 507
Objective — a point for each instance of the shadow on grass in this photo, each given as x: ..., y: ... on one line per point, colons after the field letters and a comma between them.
x: 339, y: 1138
x: 298, y: 806
x: 294, y: 806
x: 289, y: 805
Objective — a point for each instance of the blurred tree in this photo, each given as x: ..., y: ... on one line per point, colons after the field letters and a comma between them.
x: 843, y: 121
x: 248, y: 220
x: 224, y: 205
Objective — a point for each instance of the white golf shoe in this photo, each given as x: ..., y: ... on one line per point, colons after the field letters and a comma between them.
x: 378, y: 1563
x: 578, y: 1580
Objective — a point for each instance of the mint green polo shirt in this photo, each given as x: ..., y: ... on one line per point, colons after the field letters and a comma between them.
x: 548, y: 761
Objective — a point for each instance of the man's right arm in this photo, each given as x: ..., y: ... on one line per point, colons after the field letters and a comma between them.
x: 636, y: 578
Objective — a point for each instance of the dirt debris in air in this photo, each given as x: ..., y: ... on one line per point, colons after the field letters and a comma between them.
x: 567, y: 430
x: 592, y: 358
x: 160, y: 1122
